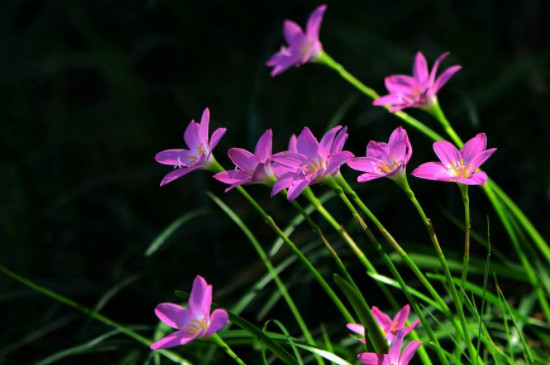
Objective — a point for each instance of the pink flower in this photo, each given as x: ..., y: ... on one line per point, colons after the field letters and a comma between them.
x: 458, y: 166
x: 384, y: 159
x: 394, y: 356
x: 387, y: 325
x: 302, y: 47
x: 199, y: 154
x: 251, y: 168
x: 194, y: 322
x: 418, y: 91
x: 308, y: 161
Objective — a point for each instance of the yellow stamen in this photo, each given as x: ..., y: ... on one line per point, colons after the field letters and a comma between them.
x: 385, y: 167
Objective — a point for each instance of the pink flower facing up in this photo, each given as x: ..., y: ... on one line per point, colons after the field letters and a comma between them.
x: 199, y: 154
x: 458, y: 166
x: 394, y: 355
x: 194, y: 322
x: 302, y: 47
x: 308, y: 161
x: 251, y: 168
x: 389, y: 327
x: 384, y: 159
x: 418, y: 91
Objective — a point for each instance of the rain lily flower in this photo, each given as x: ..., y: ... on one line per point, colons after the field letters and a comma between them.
x: 389, y: 327
x: 194, y: 322
x: 309, y: 161
x: 199, y: 152
x: 458, y: 166
x: 251, y: 168
x: 420, y: 89
x: 384, y: 159
x: 394, y: 355
x: 302, y: 47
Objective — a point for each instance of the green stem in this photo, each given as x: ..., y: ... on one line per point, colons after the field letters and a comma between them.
x: 467, y: 223
x: 435, y: 110
x: 224, y: 346
x: 90, y: 312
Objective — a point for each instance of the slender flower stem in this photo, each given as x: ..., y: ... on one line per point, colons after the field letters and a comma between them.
x: 404, y: 184
x: 224, y: 346
x: 435, y: 110
x: 467, y: 223
x: 314, y: 272
x: 92, y: 313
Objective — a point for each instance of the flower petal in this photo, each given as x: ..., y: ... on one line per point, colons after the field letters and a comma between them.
x: 314, y: 23
x: 283, y: 182
x: 383, y: 320
x: 263, y: 147
x: 478, y: 178
x: 296, y: 188
x: 307, y: 144
x: 377, y: 150
x: 433, y: 171
x: 292, y: 144
x: 399, y: 146
x: 390, y: 99
x: 200, y: 298
x: 395, y: 348
x: 244, y: 159
x: 412, y: 327
x: 174, y: 157
x: 368, y: 176
x: 191, y: 135
x: 436, y: 66
x: 290, y: 160
x: 444, y: 77
x: 218, y: 319
x: 401, y: 317
x: 370, y: 358
x: 177, y: 173
x: 409, y: 352
x: 216, y: 136
x: 233, y: 178
x: 447, y: 152
x: 172, y: 314
x: 365, y: 164
x: 326, y: 142
x: 420, y: 69
x: 400, y: 84
x: 203, y: 127
x: 281, y: 61
x: 481, y: 158
x: 336, y: 160
x: 339, y: 140
x: 173, y: 340
x: 473, y: 147
x: 293, y: 33
x: 357, y: 328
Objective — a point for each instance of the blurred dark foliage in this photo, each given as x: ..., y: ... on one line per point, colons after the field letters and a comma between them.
x: 93, y: 89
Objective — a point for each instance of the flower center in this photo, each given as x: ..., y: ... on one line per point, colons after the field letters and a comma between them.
x: 195, y: 326
x: 386, y: 168
x: 459, y: 170
x: 312, y: 166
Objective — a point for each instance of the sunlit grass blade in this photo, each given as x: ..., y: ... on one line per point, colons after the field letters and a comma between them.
x: 287, y: 337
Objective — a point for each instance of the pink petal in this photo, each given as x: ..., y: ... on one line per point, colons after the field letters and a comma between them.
x: 172, y: 314
x: 478, y: 178
x: 481, y: 158
x: 233, y: 178
x: 409, y: 352
x: 399, y: 146
x: 191, y: 135
x: 283, y: 182
x: 173, y: 340
x: 292, y: 144
x: 420, y: 69
x: 244, y: 159
x: 400, y: 84
x: 177, y: 173
x: 203, y: 129
x: 263, y: 147
x: 218, y: 319
x: 365, y: 164
x: 370, y: 358
x: 293, y: 33
x: 281, y: 61
x: 401, y: 317
x: 200, y: 298
x: 377, y: 150
x: 173, y: 157
x: 296, y: 188
x: 436, y: 66
x: 357, y: 328
x: 326, y: 142
x: 447, y: 152
x: 216, y: 136
x: 444, y: 77
x: 368, y: 176
x: 339, y: 140
x: 338, y: 159
x: 314, y: 23
x: 383, y: 320
x: 292, y: 161
x: 433, y: 171
x: 395, y: 348
x: 473, y: 147
x: 412, y: 327
x: 391, y: 99
x: 307, y: 144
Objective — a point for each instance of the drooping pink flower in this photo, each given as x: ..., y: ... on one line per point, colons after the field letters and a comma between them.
x: 194, y: 322
x: 384, y: 159
x: 420, y: 89
x: 387, y: 325
x: 251, y: 168
x: 302, y: 47
x: 458, y: 166
x: 199, y: 152
x: 394, y: 355
x: 311, y: 161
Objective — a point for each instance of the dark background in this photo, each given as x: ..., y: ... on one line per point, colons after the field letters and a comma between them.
x: 92, y: 90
